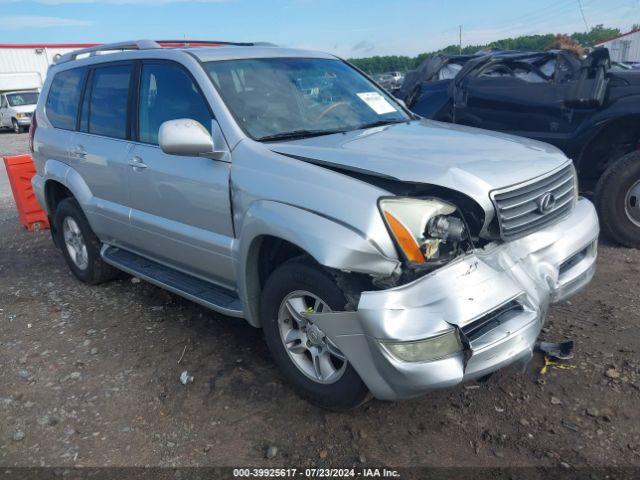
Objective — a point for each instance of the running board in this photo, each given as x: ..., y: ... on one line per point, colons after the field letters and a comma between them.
x: 199, y: 291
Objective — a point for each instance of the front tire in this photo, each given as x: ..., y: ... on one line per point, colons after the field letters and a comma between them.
x: 314, y: 366
x: 16, y: 127
x: 617, y: 198
x: 80, y: 246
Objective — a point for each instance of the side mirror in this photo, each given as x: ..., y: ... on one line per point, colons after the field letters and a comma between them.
x: 185, y: 137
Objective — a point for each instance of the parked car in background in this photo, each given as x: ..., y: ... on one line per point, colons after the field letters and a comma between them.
x: 398, y: 78
x: 621, y: 66
x: 379, y: 252
x: 385, y: 81
x: 589, y: 111
x: 16, y: 109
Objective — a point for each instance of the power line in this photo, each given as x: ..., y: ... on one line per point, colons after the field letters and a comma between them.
x: 538, y: 14
x: 535, y: 18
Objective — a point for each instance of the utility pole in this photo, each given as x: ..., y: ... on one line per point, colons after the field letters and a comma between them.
x: 586, y: 25
x: 460, y: 41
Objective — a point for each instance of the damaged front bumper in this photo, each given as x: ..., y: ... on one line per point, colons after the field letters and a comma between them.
x: 495, y: 298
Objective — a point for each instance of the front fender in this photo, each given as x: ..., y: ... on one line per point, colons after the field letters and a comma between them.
x: 331, y: 243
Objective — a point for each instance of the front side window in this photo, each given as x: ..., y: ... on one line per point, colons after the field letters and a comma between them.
x: 64, y: 95
x: 274, y: 98
x: 167, y: 92
x: 22, y: 98
x: 109, y: 96
x: 3, y: 102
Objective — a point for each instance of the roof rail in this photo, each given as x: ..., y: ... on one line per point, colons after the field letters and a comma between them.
x: 151, y: 44
x: 198, y: 43
x: 131, y: 45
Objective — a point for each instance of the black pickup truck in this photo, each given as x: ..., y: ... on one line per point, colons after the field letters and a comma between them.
x: 587, y: 108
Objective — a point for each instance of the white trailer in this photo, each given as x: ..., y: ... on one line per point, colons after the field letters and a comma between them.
x: 24, y: 66
x: 624, y: 48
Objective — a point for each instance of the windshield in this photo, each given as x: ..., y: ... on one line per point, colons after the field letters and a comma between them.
x: 22, y: 98
x: 277, y: 98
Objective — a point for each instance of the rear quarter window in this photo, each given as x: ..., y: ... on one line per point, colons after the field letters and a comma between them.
x: 63, y: 98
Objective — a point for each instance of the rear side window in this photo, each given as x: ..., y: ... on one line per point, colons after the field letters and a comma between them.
x: 107, y: 106
x: 64, y: 95
x: 167, y: 92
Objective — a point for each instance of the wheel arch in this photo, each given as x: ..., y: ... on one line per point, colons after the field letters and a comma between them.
x: 54, y: 193
x: 614, y: 139
x: 60, y: 179
x: 273, y: 232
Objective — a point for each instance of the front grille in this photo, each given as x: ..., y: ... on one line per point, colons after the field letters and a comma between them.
x: 519, y: 208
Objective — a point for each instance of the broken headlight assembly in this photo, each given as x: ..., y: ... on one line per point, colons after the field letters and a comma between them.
x: 429, y: 232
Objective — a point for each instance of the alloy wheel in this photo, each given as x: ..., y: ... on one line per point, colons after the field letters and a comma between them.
x: 75, y: 244
x: 306, y: 344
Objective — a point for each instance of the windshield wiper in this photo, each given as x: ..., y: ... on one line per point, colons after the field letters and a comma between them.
x: 297, y: 134
x: 316, y: 133
x: 379, y: 123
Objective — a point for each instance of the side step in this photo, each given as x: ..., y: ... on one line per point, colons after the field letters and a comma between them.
x: 199, y: 291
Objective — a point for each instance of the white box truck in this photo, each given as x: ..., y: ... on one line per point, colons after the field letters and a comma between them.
x: 23, y: 68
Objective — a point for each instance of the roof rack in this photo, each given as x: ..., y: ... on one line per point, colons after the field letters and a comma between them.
x: 121, y: 46
x: 151, y: 44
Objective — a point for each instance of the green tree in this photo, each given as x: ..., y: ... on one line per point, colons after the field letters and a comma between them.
x: 595, y: 35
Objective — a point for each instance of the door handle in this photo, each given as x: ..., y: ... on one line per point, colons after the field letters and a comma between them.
x: 137, y: 163
x: 79, y: 152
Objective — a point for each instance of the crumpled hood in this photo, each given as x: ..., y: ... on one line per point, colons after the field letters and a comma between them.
x: 465, y: 159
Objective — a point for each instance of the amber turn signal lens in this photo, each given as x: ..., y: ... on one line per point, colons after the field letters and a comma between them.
x: 404, y: 238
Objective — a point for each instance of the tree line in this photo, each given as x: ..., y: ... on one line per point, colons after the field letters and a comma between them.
x: 402, y: 63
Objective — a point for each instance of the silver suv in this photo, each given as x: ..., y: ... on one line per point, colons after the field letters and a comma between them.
x: 378, y: 252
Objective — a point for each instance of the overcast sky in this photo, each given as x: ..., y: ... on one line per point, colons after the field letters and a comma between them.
x: 349, y: 28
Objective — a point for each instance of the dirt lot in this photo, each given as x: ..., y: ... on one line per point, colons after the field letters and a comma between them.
x: 90, y: 377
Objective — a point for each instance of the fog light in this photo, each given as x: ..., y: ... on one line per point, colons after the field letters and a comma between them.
x: 429, y: 349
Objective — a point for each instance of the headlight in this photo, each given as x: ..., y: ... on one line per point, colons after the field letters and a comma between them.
x: 420, y: 226
x: 426, y: 350
x: 21, y: 115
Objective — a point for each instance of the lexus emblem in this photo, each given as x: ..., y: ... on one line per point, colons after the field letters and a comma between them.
x: 546, y: 203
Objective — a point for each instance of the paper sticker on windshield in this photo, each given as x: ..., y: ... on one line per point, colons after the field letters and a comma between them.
x: 376, y: 102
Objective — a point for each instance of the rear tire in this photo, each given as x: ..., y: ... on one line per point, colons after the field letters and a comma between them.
x: 341, y: 390
x: 617, y: 198
x: 80, y: 246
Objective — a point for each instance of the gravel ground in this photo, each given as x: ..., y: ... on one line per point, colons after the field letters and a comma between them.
x: 90, y: 377
x: 10, y: 144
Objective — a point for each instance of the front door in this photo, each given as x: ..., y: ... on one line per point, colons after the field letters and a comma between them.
x: 181, y: 213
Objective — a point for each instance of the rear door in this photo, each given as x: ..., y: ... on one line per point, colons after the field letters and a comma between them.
x: 56, y: 127
x: 99, y: 149
x: 181, y: 213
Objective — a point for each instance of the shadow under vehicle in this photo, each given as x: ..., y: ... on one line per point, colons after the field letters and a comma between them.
x: 587, y: 109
